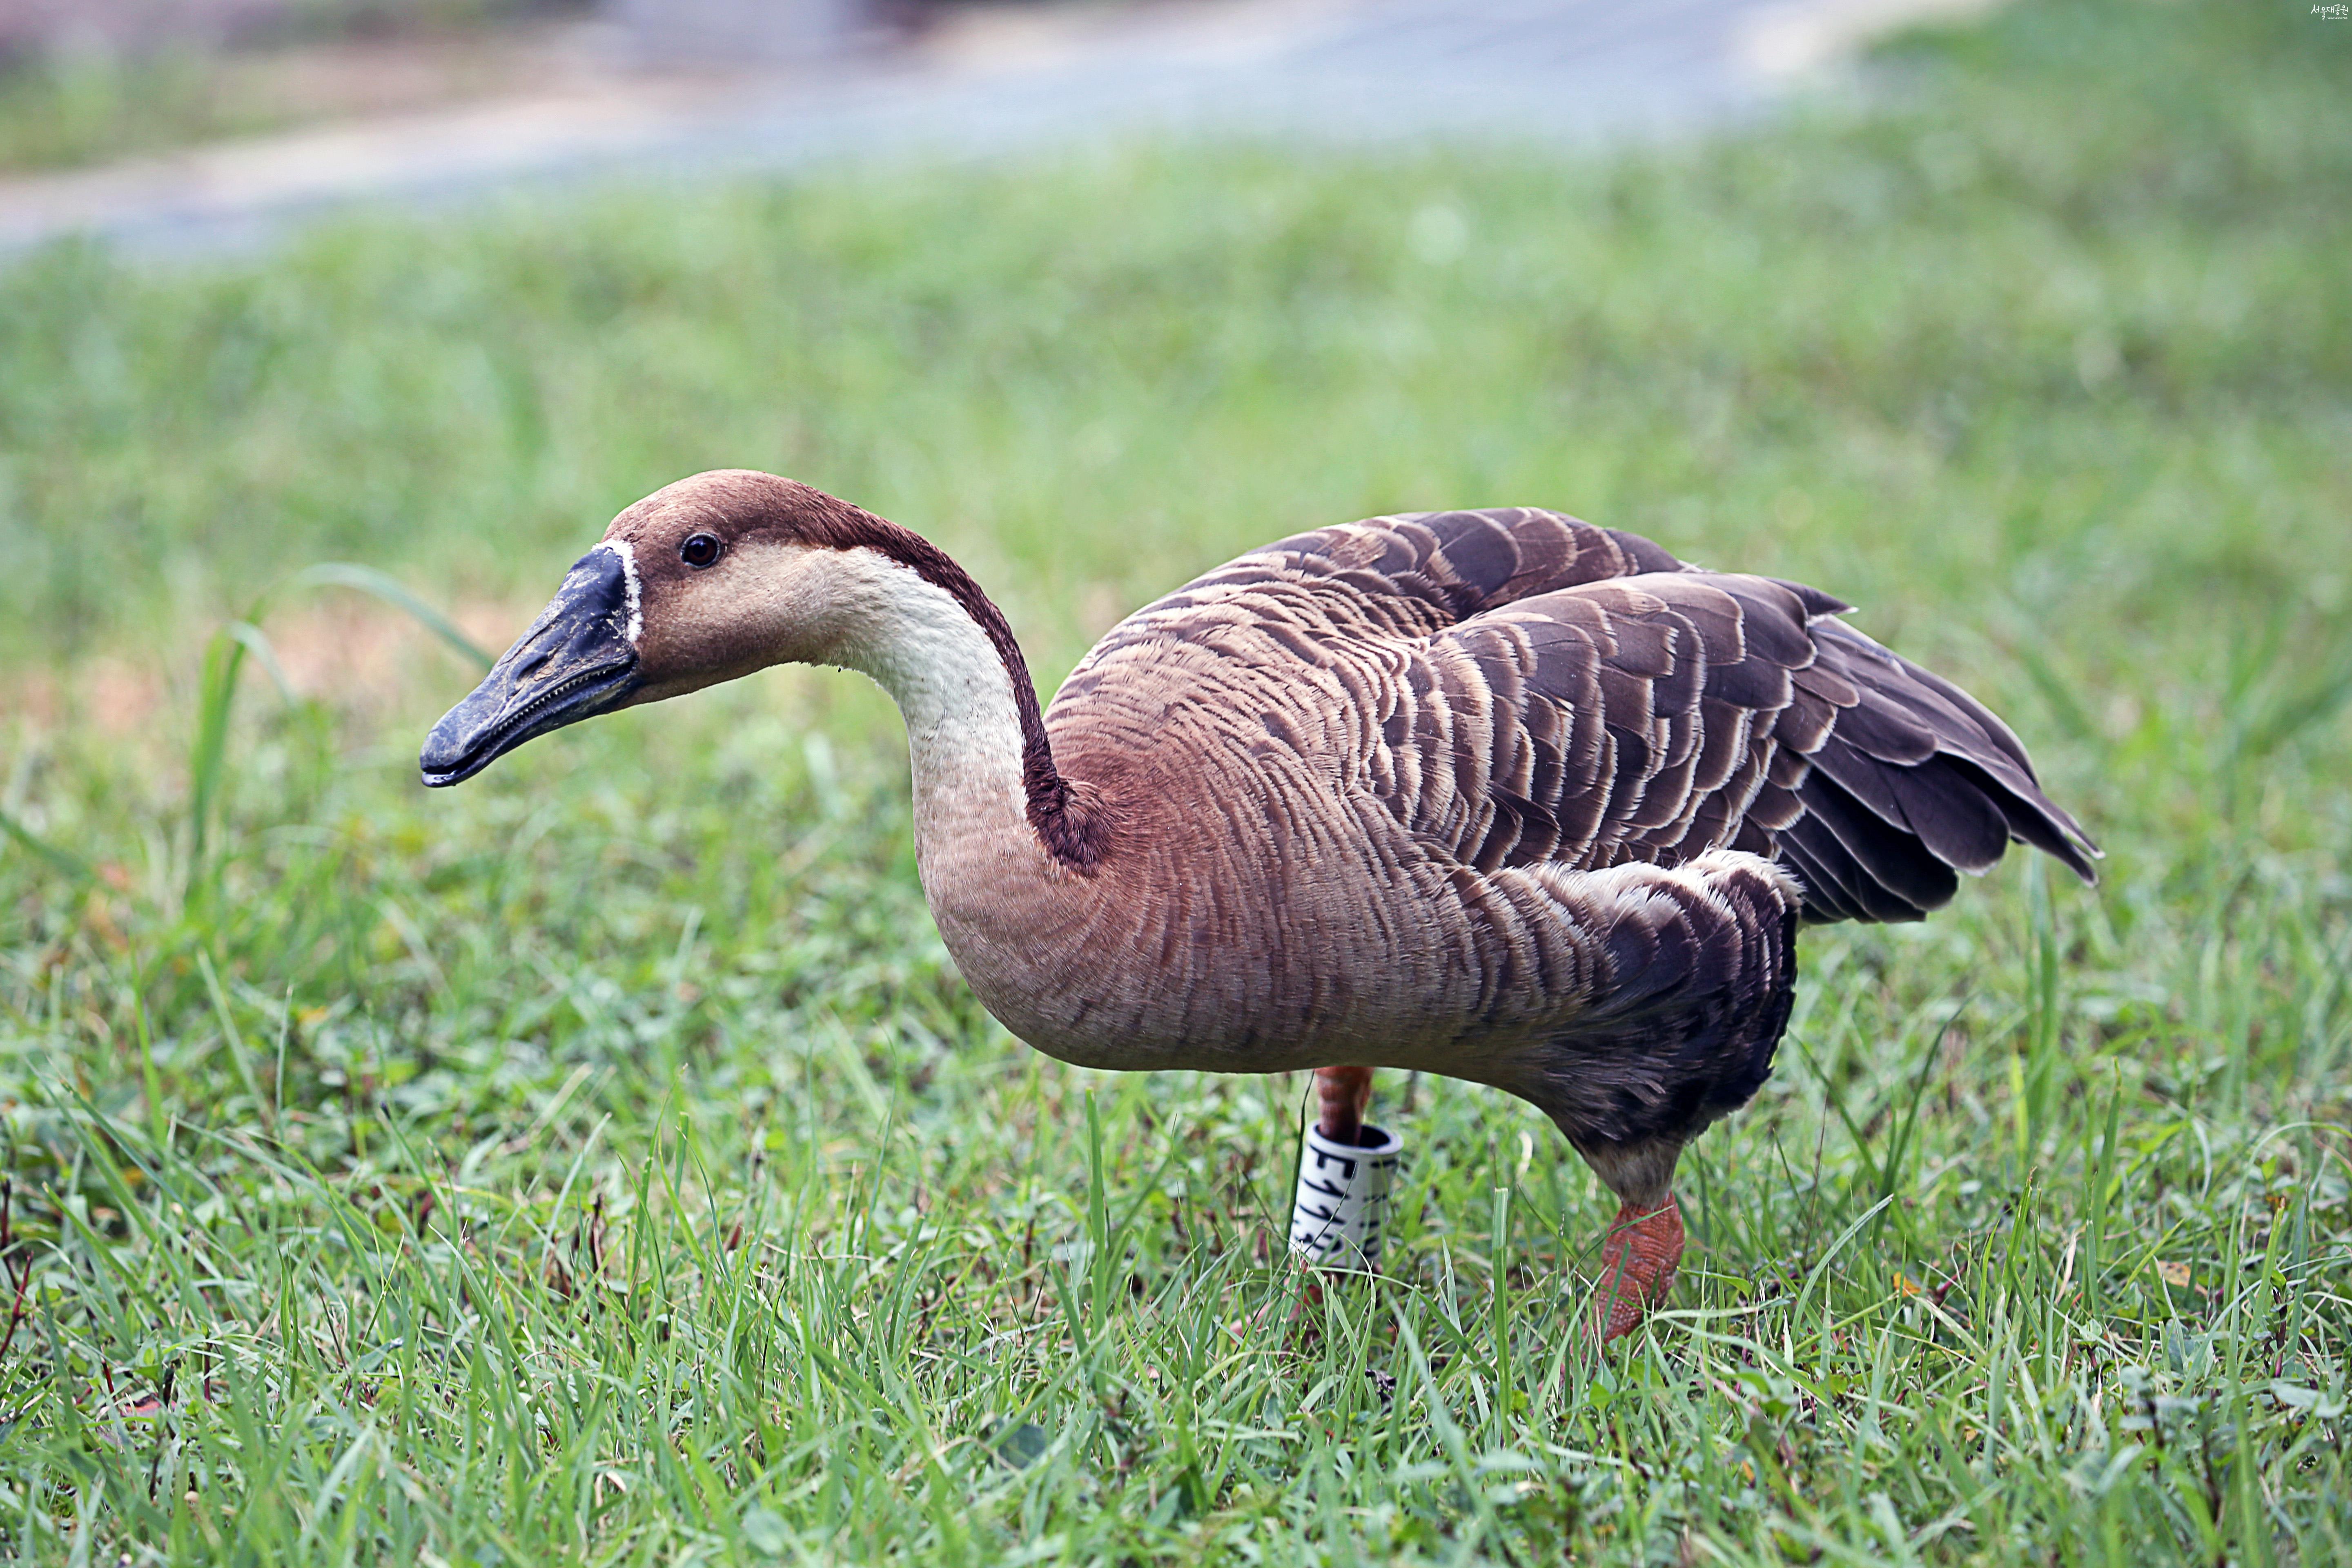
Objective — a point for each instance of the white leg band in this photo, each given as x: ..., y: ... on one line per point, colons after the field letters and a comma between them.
x: 1342, y: 1207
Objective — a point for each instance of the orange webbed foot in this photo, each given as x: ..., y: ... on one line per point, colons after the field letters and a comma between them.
x: 1637, y: 1267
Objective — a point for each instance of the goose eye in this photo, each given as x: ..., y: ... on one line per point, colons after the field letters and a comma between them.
x: 700, y: 551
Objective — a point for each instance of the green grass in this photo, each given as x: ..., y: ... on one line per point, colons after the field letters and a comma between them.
x: 603, y: 1162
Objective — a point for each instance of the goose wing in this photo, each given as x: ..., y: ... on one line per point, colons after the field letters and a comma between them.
x: 1653, y: 716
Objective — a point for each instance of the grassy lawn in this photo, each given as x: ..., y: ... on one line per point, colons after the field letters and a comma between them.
x: 603, y: 1162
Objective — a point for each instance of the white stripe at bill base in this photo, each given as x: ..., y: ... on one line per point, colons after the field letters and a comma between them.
x: 627, y: 552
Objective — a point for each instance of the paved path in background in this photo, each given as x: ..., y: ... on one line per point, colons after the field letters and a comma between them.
x: 1574, y: 71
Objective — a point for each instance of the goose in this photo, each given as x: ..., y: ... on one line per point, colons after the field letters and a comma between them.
x: 1496, y: 795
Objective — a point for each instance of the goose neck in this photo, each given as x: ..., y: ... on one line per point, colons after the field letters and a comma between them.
x: 964, y: 734
x: 974, y: 730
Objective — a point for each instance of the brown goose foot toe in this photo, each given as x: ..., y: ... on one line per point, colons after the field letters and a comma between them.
x: 1637, y: 1267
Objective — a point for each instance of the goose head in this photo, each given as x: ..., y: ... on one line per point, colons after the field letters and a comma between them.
x: 706, y: 580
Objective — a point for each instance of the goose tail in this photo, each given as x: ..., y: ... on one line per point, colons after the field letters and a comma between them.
x: 1914, y: 782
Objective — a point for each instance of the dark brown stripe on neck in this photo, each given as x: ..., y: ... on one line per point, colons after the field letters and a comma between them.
x: 1073, y: 830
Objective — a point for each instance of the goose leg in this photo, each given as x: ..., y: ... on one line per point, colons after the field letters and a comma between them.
x: 1347, y: 1094
x: 1645, y: 1240
x: 1345, y: 1171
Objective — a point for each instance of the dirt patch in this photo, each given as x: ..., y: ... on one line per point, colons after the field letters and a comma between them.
x: 370, y: 660
x: 365, y: 660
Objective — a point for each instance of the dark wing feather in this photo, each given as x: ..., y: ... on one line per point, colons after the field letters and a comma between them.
x: 1650, y: 714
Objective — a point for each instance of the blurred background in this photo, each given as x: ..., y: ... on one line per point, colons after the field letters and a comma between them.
x: 422, y: 97
x: 330, y: 332
x: 1103, y: 292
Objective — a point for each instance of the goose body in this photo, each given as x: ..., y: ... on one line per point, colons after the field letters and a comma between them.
x: 1497, y: 794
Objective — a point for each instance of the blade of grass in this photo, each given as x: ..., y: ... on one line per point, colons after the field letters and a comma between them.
x: 65, y: 862
x: 393, y: 592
